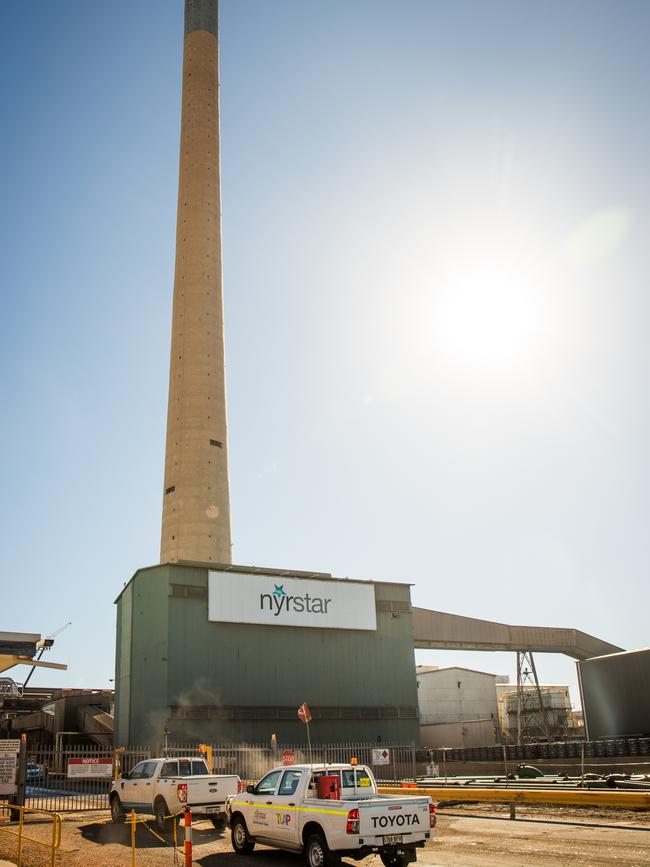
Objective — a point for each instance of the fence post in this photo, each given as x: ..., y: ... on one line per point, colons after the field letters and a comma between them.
x: 19, y: 798
x: 118, y: 752
x: 56, y: 836
x: 188, y: 837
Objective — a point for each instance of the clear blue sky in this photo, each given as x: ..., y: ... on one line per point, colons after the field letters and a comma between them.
x: 436, y: 286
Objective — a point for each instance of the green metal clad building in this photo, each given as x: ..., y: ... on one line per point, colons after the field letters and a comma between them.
x: 229, y: 653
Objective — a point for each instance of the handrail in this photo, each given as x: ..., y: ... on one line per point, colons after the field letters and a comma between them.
x: 55, y: 842
x: 568, y: 797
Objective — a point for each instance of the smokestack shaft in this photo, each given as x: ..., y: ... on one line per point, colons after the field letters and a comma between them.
x: 196, y: 499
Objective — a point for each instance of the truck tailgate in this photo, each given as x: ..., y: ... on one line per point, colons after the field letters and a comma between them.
x: 385, y: 817
x: 209, y: 789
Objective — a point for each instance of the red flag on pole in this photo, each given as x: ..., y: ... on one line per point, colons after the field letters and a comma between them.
x: 304, y: 714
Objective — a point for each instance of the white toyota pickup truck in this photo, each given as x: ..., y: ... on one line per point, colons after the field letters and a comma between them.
x: 164, y: 787
x: 290, y: 809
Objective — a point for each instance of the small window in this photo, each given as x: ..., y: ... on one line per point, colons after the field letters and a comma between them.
x: 149, y: 770
x: 289, y: 783
x: 169, y: 769
x: 363, y: 779
x: 216, y: 443
x: 170, y: 490
x: 184, y: 768
x: 138, y: 772
x: 143, y: 771
x: 268, y: 784
x: 199, y: 768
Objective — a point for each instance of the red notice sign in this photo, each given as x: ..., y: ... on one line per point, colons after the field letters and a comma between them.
x: 88, y: 767
x: 288, y: 757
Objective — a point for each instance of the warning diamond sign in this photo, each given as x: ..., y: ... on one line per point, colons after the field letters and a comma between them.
x: 381, y: 757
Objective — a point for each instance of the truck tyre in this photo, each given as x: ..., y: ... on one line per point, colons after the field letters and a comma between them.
x: 220, y: 822
x: 161, y: 812
x: 117, y: 810
x: 241, y: 842
x: 317, y: 853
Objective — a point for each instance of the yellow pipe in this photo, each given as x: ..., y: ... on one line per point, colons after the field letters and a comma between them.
x: 581, y: 797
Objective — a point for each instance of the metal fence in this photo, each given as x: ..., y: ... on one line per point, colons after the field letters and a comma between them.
x: 51, y: 785
x: 252, y: 761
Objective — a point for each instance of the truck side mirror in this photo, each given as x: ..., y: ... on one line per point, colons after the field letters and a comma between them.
x: 250, y: 790
x: 124, y: 776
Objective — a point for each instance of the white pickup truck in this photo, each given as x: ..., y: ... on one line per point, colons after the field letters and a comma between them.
x: 284, y: 810
x: 164, y: 787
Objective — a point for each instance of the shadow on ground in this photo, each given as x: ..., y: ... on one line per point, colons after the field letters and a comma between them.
x: 261, y: 858
x: 145, y: 835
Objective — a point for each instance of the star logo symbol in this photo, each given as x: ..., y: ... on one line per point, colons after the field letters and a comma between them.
x: 279, y: 590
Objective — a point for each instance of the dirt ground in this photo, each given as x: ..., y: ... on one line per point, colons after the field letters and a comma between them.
x: 539, y: 838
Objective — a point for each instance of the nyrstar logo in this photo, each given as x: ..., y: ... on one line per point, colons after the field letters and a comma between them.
x: 279, y: 601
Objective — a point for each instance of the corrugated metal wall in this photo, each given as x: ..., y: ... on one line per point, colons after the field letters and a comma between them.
x: 237, y: 682
x: 616, y: 694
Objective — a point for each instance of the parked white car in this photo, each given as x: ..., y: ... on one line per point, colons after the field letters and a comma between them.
x: 284, y: 810
x: 163, y: 787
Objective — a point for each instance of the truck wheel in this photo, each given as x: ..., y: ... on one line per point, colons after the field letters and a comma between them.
x: 117, y: 811
x: 161, y: 812
x: 317, y: 853
x: 241, y: 842
x: 220, y: 821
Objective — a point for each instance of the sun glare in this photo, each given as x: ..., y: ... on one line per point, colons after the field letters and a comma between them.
x: 490, y: 309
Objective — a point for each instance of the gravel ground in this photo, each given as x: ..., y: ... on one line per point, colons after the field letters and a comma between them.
x: 88, y: 840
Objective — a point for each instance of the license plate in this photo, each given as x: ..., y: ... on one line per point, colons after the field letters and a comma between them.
x: 392, y: 838
x: 212, y: 809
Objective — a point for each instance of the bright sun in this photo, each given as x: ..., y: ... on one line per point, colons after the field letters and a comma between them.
x: 490, y: 314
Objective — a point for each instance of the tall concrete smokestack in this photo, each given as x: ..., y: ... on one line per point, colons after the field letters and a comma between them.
x: 196, y: 500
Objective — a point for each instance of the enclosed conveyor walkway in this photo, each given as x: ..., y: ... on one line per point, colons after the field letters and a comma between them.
x: 436, y: 629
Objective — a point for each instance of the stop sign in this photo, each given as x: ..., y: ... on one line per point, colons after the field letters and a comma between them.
x: 288, y: 757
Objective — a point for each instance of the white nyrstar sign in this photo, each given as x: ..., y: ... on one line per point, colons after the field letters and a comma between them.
x: 275, y: 600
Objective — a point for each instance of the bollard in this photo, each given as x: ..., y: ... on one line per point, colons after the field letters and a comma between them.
x: 188, y: 836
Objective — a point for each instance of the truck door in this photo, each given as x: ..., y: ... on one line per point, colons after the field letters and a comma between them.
x: 167, y: 785
x: 259, y: 812
x: 137, y: 788
x: 285, y: 822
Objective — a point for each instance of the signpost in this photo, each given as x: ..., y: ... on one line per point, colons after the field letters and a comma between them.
x: 9, y: 751
x: 304, y: 715
x: 90, y: 768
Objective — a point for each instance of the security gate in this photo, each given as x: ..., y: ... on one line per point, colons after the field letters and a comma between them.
x: 79, y: 778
